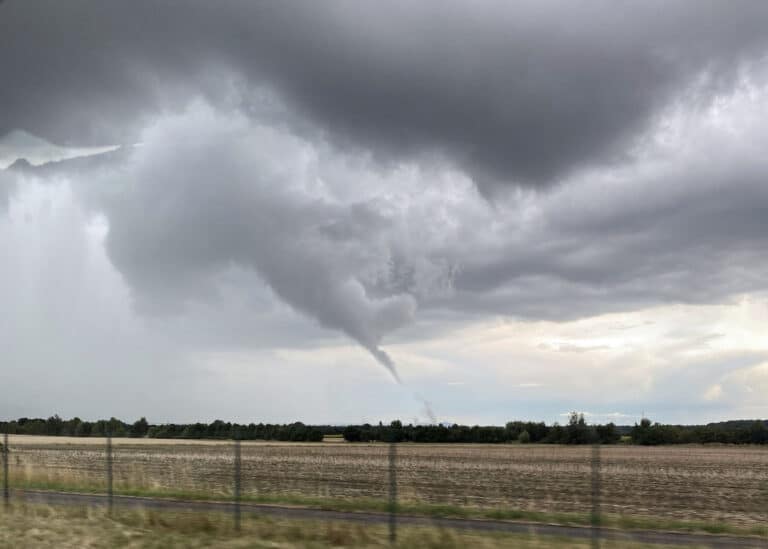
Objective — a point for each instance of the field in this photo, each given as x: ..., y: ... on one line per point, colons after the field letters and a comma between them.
x: 713, y: 488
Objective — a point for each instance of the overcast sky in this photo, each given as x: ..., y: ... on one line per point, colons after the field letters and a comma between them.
x: 349, y: 211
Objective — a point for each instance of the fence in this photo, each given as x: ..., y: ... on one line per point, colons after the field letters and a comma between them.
x: 6, y: 490
x: 432, y: 474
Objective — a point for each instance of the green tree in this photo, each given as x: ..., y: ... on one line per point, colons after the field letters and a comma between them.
x: 758, y: 433
x: 140, y: 428
x: 577, y: 431
x: 607, y: 434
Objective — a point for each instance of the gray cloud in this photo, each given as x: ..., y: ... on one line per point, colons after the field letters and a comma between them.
x: 523, y: 92
x: 7, y: 187
x: 332, y: 162
x: 171, y: 232
x: 686, y: 223
x: 700, y: 244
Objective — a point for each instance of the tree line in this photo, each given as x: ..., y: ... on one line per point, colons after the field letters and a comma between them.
x: 75, y: 427
x: 576, y: 431
x: 728, y: 432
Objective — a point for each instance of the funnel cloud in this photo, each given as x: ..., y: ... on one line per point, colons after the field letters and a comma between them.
x: 237, y: 206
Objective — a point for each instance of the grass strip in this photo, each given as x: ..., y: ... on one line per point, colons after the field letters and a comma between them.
x: 430, y: 510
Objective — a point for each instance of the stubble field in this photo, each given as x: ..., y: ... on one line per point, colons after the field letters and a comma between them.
x: 722, y: 486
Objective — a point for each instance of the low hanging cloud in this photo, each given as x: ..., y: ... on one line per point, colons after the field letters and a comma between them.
x: 359, y: 248
x: 237, y: 202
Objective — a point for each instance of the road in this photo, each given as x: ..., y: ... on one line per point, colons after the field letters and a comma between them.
x: 643, y: 536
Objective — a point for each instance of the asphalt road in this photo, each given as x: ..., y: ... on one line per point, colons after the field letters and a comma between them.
x: 644, y: 536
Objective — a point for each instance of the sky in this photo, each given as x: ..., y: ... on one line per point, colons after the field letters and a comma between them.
x: 353, y: 211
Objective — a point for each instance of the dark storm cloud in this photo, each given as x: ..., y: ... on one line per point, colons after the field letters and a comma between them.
x: 508, y: 92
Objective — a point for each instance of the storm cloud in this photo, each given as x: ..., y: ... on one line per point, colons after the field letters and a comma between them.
x: 287, y: 178
x: 237, y: 204
x: 520, y: 93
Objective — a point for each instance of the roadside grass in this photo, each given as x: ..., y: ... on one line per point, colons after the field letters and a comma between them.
x: 622, y: 522
x: 48, y: 527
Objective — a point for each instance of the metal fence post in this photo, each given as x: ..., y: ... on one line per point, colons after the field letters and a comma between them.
x: 238, y: 485
x: 110, y: 491
x: 6, y: 491
x: 392, y: 493
x: 596, y: 488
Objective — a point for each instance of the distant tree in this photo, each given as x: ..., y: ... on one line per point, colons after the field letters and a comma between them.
x: 71, y: 426
x: 556, y: 434
x: 352, y: 433
x: 83, y: 429
x: 607, y: 434
x: 116, y: 428
x: 140, y: 428
x: 99, y: 428
x: 649, y: 434
x: 54, y: 425
x: 577, y: 431
x: 641, y: 434
x: 524, y: 437
x: 758, y: 433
